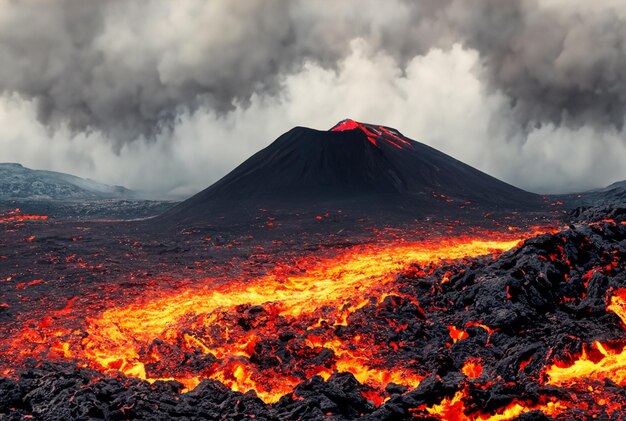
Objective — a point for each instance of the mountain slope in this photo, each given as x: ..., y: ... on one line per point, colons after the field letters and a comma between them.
x: 18, y: 182
x: 353, y: 166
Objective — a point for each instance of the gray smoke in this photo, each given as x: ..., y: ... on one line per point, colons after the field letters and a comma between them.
x: 129, y: 69
x: 558, y: 62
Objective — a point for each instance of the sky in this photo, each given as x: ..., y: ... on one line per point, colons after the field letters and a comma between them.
x: 167, y: 97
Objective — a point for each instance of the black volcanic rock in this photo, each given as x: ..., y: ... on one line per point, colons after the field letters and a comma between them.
x: 357, y: 167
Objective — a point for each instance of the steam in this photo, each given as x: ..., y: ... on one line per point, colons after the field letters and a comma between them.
x: 183, y: 91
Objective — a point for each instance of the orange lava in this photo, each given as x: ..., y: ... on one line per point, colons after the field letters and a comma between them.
x: 457, y: 334
x: 153, y: 338
x: 454, y: 409
x: 472, y: 368
x: 599, y: 361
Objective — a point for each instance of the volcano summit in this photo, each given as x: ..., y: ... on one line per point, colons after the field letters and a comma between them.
x: 360, y: 168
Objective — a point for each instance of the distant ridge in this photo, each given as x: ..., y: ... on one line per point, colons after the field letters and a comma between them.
x: 18, y: 183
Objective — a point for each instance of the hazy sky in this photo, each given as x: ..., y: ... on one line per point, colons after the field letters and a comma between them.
x: 168, y: 96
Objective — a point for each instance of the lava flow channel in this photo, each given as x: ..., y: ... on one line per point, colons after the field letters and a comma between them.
x: 200, y: 332
x: 229, y: 330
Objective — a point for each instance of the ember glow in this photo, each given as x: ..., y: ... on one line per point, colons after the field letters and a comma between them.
x: 454, y: 409
x: 472, y: 368
x: 16, y: 215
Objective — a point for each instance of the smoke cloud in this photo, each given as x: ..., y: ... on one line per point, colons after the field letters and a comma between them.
x: 168, y: 96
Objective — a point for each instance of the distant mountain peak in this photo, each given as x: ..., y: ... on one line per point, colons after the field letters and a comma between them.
x: 375, y: 133
x: 11, y: 165
x: 19, y: 182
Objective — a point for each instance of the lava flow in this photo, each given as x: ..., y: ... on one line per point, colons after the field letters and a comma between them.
x: 598, y: 361
x: 373, y: 133
x: 288, y: 331
x: 16, y: 215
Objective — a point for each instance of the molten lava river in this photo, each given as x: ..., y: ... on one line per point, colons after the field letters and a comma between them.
x: 151, y: 338
x: 318, y: 315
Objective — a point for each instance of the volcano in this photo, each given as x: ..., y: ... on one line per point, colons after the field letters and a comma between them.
x: 360, y: 168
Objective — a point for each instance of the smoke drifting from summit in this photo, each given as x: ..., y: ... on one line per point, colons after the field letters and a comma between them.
x: 131, y: 74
